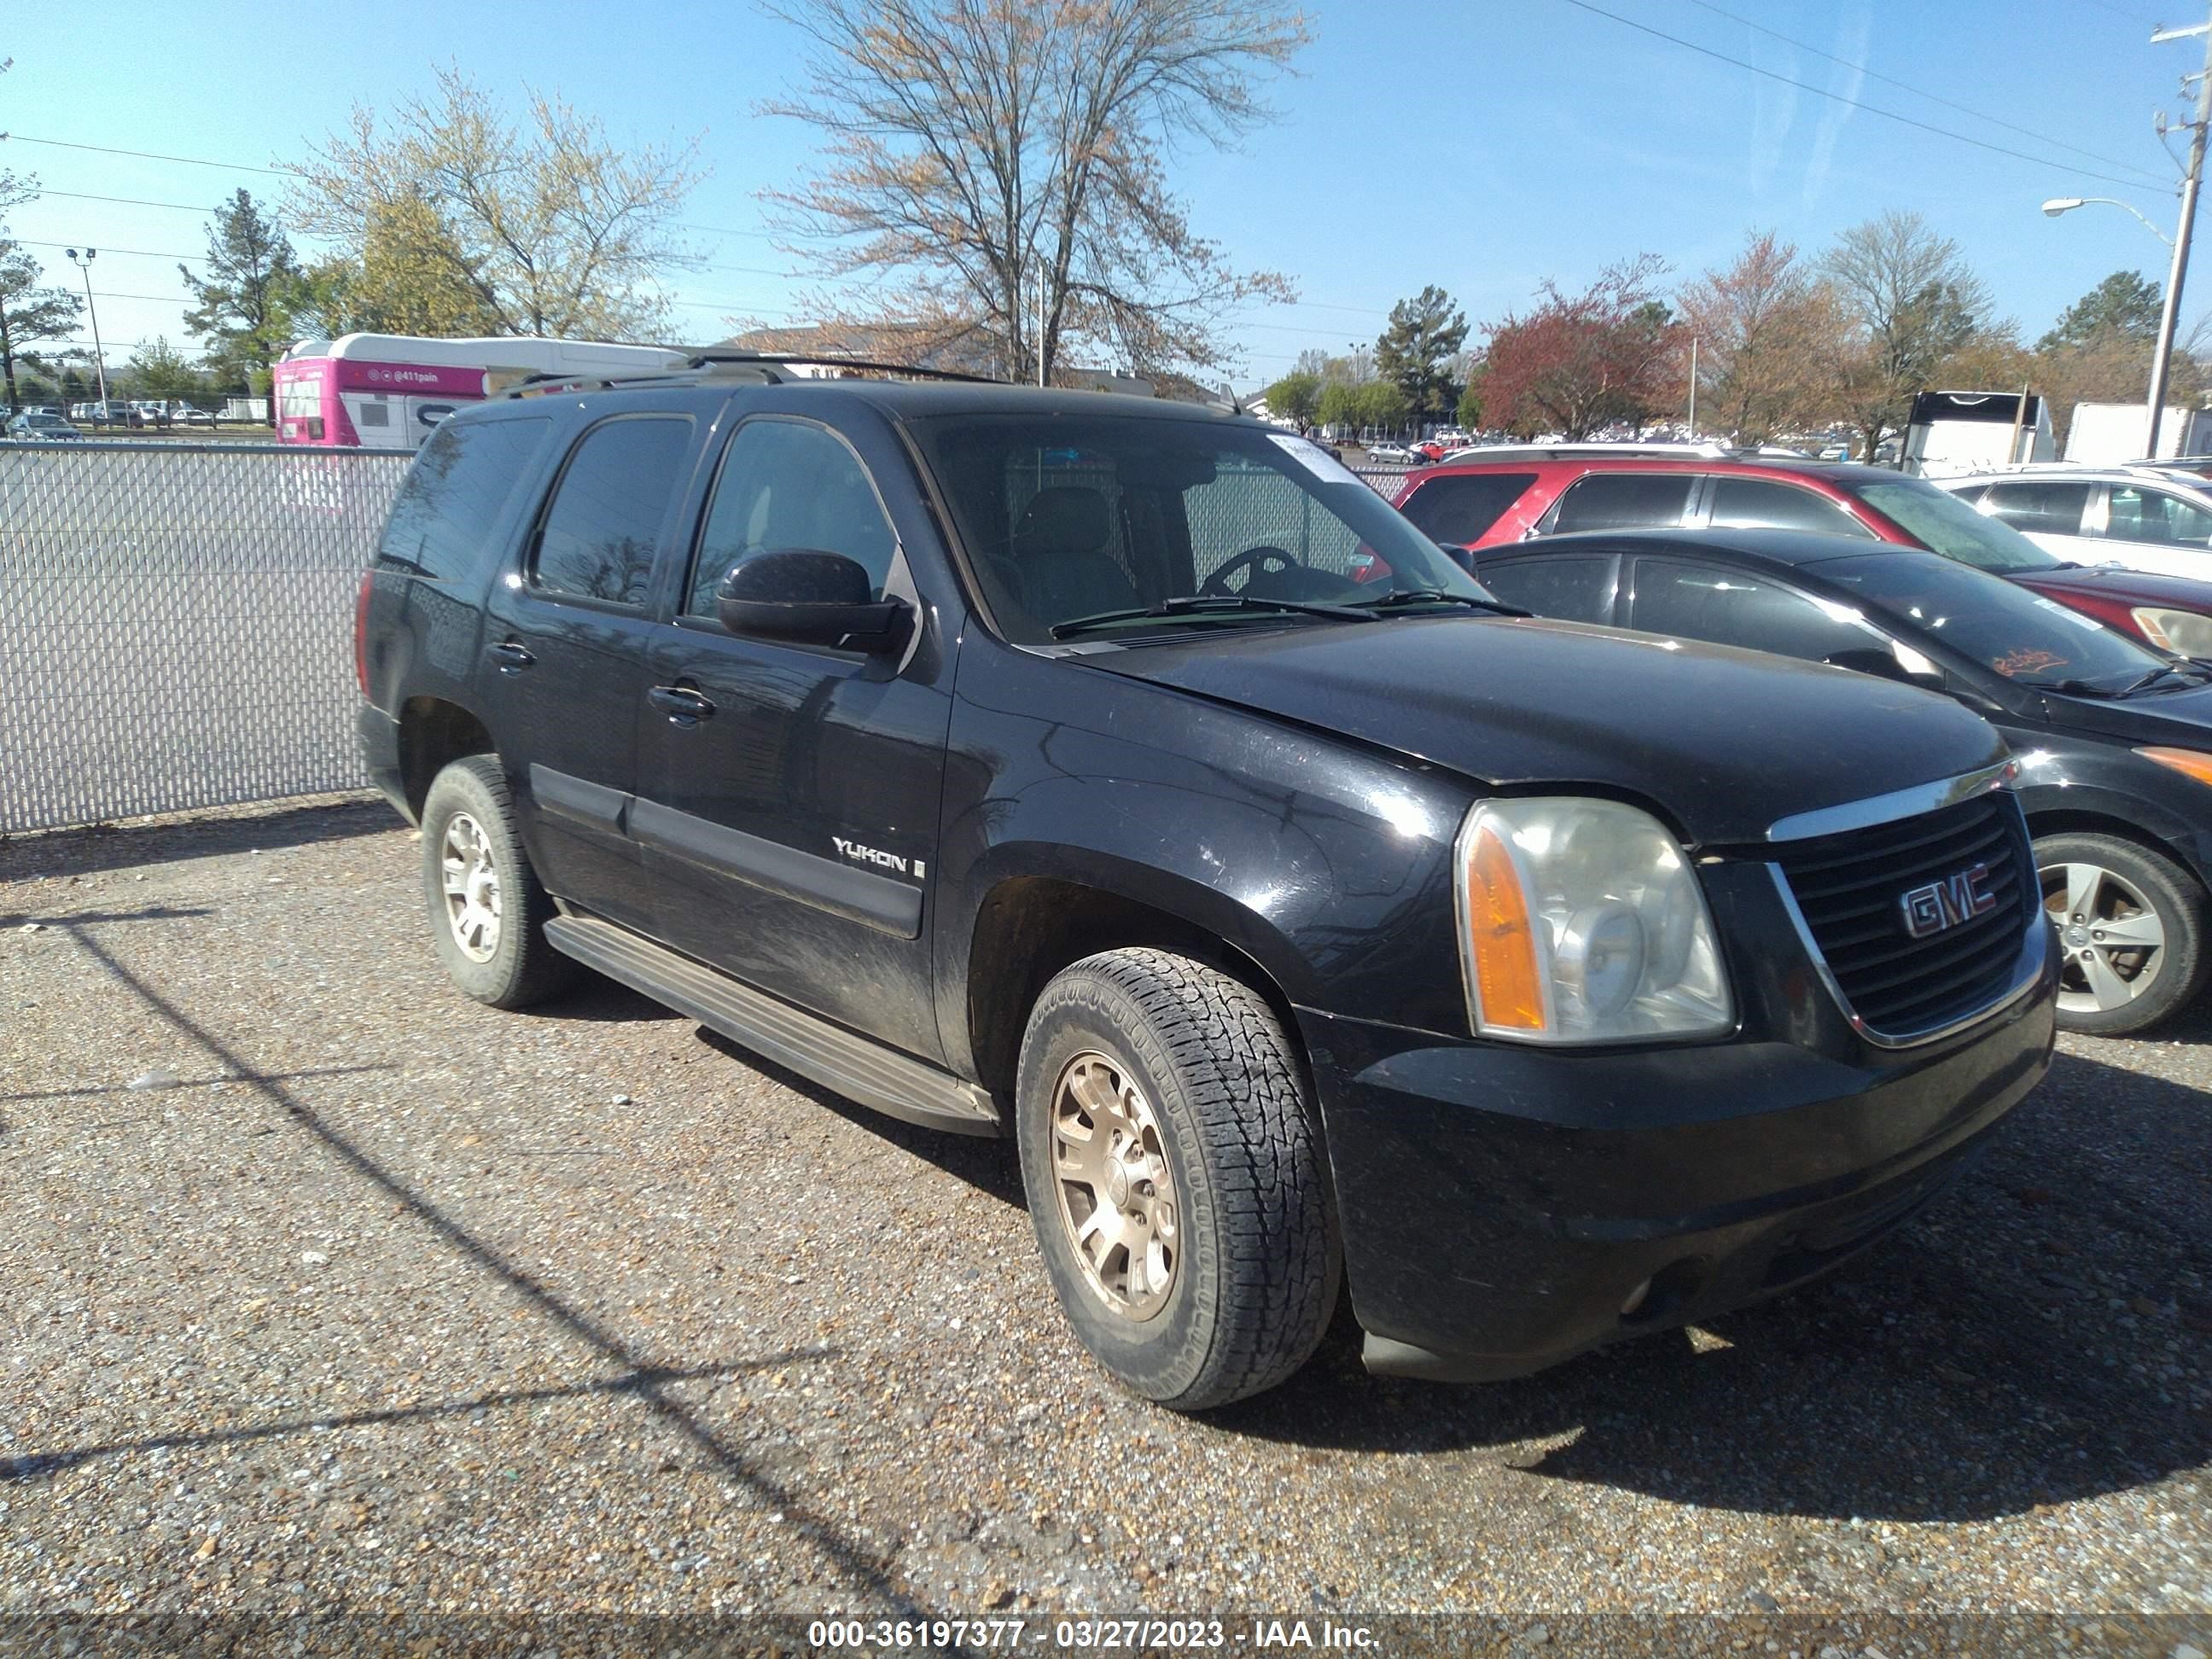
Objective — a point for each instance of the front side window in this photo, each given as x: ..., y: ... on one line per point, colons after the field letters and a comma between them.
x: 1708, y: 602
x: 2135, y: 514
x: 1579, y: 588
x: 785, y: 486
x: 1072, y: 521
x: 1460, y: 507
x: 602, y: 526
x: 1624, y: 500
x: 1760, y: 504
x: 2042, y: 506
x: 456, y: 493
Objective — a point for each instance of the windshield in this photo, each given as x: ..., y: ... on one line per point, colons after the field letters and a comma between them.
x: 2028, y: 639
x: 1939, y: 520
x: 1068, y: 520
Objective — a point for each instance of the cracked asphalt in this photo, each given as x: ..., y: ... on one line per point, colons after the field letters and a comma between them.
x: 323, y: 1287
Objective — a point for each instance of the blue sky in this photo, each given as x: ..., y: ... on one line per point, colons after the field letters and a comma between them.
x: 1482, y: 145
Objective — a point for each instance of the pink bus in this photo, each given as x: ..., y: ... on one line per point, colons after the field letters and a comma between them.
x: 387, y: 390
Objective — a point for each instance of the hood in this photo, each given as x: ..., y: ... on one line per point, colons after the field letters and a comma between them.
x: 1723, y: 741
x: 2128, y: 587
x: 2176, y: 720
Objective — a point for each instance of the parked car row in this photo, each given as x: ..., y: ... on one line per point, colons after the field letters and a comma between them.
x: 2090, y: 672
x: 1128, y: 779
x: 145, y: 412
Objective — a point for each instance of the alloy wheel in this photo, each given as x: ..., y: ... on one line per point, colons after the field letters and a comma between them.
x: 1117, y: 1195
x: 2111, y: 943
x: 471, y: 886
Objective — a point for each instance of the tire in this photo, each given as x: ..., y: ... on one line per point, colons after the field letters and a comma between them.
x: 1224, y: 1163
x: 509, y: 963
x: 2105, y: 878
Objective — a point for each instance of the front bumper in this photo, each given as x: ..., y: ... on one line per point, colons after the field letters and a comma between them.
x: 1502, y: 1205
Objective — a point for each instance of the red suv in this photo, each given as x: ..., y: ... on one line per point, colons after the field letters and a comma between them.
x: 1471, y: 504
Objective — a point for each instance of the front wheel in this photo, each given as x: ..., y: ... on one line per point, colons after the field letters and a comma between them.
x: 1173, y: 1163
x: 2130, y: 931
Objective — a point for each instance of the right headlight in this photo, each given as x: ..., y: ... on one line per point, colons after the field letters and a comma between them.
x: 2184, y: 633
x: 1581, y: 921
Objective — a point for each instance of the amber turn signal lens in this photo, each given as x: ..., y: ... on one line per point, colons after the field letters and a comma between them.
x: 2187, y: 761
x: 1509, y: 983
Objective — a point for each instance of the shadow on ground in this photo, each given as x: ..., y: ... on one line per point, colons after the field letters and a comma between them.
x: 105, y: 846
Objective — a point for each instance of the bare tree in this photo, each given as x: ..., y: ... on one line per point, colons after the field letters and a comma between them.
x: 1768, y: 337
x: 546, y: 224
x: 1913, y: 301
x: 998, y: 167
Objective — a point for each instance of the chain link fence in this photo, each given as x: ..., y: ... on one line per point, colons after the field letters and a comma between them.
x: 175, y: 624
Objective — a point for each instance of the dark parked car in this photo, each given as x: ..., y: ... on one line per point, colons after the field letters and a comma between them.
x: 2114, y: 739
x: 1490, y: 502
x: 34, y: 427
x: 1034, y: 763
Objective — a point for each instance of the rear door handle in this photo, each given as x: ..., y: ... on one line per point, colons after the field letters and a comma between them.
x: 512, y: 656
x: 682, y: 705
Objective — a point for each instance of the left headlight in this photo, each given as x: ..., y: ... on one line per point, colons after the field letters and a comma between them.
x: 1581, y: 921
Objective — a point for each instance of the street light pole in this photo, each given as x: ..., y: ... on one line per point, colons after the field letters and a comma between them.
x: 2170, y: 313
x: 99, y: 355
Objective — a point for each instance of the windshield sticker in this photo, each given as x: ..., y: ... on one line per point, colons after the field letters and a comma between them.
x: 2072, y: 614
x: 2027, y: 661
x: 1315, y: 459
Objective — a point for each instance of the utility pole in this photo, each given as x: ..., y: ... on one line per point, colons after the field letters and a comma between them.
x: 98, y: 357
x: 2171, y: 312
x: 1693, y: 388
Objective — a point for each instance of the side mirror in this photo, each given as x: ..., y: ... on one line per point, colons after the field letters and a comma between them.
x: 811, y: 598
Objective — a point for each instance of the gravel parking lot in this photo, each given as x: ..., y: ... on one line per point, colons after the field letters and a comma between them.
x: 325, y: 1286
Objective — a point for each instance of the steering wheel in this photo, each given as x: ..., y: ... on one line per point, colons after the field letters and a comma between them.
x: 1261, y: 560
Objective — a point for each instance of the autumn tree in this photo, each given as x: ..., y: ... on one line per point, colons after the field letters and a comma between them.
x: 1768, y: 336
x: 1417, y: 351
x: 1577, y: 363
x: 31, y: 314
x: 1911, y: 301
x: 996, y: 169
x: 1296, y: 396
x: 544, y: 223
x: 237, y: 313
x: 391, y: 284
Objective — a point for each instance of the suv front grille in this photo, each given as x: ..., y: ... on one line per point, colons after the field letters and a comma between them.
x: 1849, y: 888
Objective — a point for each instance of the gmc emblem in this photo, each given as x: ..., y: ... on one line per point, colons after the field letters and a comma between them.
x: 1948, y: 902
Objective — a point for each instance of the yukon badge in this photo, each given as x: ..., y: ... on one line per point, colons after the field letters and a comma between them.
x: 898, y: 861
x: 1948, y: 902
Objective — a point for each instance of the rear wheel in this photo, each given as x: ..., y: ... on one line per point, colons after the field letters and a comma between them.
x: 488, y: 910
x: 2130, y: 931
x: 1173, y: 1163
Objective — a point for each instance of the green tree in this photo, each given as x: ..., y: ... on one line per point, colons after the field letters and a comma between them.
x: 1382, y: 404
x: 240, y: 315
x: 1469, y: 412
x: 1416, y: 350
x: 30, y: 315
x: 1338, y: 404
x: 159, y: 370
x: 1295, y: 397
x: 2125, y: 304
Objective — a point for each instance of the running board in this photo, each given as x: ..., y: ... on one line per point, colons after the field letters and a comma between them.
x: 854, y: 1065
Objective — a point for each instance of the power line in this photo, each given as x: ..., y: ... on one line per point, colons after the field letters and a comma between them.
x: 1917, y: 92
x: 125, y: 201
x: 137, y: 253
x: 1836, y: 97
x: 149, y: 156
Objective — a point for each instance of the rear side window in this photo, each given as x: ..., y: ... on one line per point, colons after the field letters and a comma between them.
x: 456, y: 493
x: 1702, y: 602
x: 2052, y: 509
x: 2134, y: 514
x: 1758, y: 504
x: 1460, y: 509
x: 602, y: 526
x: 1624, y: 500
x: 1578, y: 589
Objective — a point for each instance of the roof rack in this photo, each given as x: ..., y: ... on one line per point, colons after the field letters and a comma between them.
x: 771, y: 368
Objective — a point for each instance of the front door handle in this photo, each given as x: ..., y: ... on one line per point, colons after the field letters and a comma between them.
x: 512, y: 656
x: 682, y: 705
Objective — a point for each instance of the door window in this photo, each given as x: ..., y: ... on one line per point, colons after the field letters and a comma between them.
x: 1759, y: 504
x: 602, y: 526
x: 2045, y: 507
x: 1459, y: 509
x: 783, y: 486
x: 2136, y: 515
x: 1580, y: 589
x: 1624, y: 500
x: 1706, y: 602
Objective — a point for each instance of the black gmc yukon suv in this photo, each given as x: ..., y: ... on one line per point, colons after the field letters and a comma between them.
x: 1131, y: 780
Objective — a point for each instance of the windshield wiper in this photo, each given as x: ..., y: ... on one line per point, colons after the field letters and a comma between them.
x: 2071, y: 688
x: 1201, y: 605
x: 1398, y: 596
x: 2158, y: 674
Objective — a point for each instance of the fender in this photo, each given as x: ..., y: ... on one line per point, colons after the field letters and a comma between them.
x: 1328, y: 865
x: 2075, y: 775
